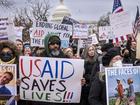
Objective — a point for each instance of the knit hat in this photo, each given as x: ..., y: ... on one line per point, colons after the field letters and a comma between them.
x: 54, y: 39
x: 106, y: 47
x: 26, y: 45
x: 112, y: 52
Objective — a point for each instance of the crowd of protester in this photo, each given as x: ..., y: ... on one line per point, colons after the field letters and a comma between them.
x: 93, y: 85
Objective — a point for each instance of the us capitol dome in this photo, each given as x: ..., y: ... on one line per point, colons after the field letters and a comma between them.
x: 60, y: 11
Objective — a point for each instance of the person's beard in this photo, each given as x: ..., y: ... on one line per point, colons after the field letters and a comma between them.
x: 55, y: 52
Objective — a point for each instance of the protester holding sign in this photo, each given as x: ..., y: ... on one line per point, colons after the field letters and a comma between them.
x: 8, y: 55
x: 8, y: 52
x: 52, y: 47
x: 97, y: 94
x: 90, y: 64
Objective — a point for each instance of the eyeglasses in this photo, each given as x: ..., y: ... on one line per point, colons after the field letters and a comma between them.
x: 6, y: 53
x: 53, y: 43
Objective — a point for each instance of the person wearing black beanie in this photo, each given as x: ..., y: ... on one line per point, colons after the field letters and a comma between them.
x: 52, y: 44
x: 112, y: 53
x: 97, y: 94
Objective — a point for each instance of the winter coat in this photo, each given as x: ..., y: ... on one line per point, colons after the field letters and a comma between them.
x: 46, y: 53
x: 97, y: 94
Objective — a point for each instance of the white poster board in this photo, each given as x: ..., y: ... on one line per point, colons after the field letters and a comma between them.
x: 121, y: 24
x: 105, y: 33
x: 80, y: 31
x: 51, y: 79
x: 18, y: 32
x: 117, y: 84
x: 6, y: 29
x: 92, y: 39
x: 8, y: 90
x: 41, y: 29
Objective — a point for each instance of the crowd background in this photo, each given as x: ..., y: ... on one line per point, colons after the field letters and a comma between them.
x: 93, y: 85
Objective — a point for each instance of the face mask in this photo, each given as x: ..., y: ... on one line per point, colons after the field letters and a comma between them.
x: 6, y: 56
x: 99, y: 51
x: 117, y: 63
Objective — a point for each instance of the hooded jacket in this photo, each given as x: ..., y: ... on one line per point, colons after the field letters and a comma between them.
x: 47, y: 52
x: 12, y: 46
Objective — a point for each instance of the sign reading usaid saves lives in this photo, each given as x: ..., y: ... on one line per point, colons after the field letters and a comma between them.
x: 51, y: 79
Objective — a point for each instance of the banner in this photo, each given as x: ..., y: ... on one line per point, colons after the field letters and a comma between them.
x: 92, y: 39
x: 41, y: 29
x: 68, y: 20
x: 123, y: 85
x: 121, y: 25
x: 51, y: 79
x: 105, y: 33
x: 82, y: 43
x: 3, y: 28
x: 7, y: 84
x: 80, y: 31
x: 18, y: 32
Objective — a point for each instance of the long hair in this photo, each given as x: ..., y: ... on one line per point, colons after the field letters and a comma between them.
x: 87, y: 57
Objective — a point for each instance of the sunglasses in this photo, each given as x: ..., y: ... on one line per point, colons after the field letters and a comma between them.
x: 53, y: 43
x: 6, y: 53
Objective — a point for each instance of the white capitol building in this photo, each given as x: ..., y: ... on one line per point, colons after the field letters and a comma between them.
x: 61, y: 10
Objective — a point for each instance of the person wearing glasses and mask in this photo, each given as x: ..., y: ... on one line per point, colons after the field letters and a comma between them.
x: 8, y: 52
x: 8, y: 55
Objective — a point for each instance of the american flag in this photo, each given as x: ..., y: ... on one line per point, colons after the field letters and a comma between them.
x: 136, y: 24
x: 117, y: 6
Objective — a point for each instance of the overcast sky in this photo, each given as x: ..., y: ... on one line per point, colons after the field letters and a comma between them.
x: 85, y: 9
x: 94, y: 9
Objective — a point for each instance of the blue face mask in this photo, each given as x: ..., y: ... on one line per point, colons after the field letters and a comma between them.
x: 6, y: 56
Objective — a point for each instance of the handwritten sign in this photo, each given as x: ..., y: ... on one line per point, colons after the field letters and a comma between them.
x: 51, y: 79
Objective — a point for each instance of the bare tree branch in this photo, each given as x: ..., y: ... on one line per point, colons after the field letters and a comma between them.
x: 104, y: 20
x: 6, y: 3
x: 40, y: 10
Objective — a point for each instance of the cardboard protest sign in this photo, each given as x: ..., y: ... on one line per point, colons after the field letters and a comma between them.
x: 105, y: 33
x: 7, y: 84
x: 121, y: 25
x: 41, y: 29
x: 6, y: 29
x: 18, y: 32
x: 68, y: 20
x: 80, y: 31
x: 3, y: 28
x: 51, y: 79
x: 123, y: 85
x: 92, y: 39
